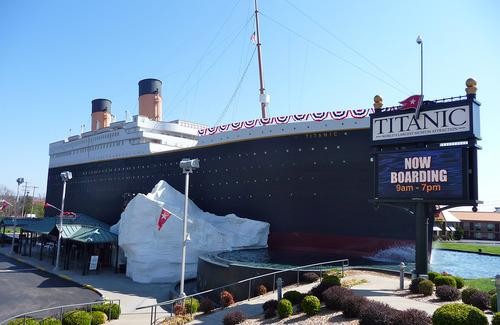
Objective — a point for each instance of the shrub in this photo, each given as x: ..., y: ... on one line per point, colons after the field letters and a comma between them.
x: 426, y: 287
x: 467, y: 293
x: 21, y: 321
x: 261, y: 290
x: 448, y: 293
x: 273, y: 303
x: 226, y: 298
x: 351, y: 306
x: 445, y: 280
x: 192, y: 305
x: 51, y: 321
x: 414, y: 285
x: 460, y: 282
x: 285, y: 308
x: 310, y: 305
x: 179, y: 309
x: 331, y: 280
x: 77, y: 317
x: 293, y: 296
x: 496, y: 319
x: 310, y: 277
x: 493, y: 303
x: 480, y: 300
x: 433, y: 275
x: 98, y: 317
x: 334, y: 297
x: 270, y: 312
x: 234, y: 318
x: 376, y: 313
x: 112, y: 310
x: 458, y: 314
x: 412, y: 317
x: 207, y: 305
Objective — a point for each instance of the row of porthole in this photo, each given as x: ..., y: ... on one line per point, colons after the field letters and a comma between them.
x: 251, y: 196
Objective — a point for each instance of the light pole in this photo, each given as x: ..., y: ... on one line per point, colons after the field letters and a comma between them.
x: 421, y: 43
x: 19, y: 181
x: 65, y: 176
x: 187, y: 165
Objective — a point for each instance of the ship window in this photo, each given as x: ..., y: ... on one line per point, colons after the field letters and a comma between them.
x: 326, y: 148
x: 300, y: 149
x: 338, y: 147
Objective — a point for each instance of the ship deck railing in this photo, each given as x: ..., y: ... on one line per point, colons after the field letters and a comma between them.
x: 316, y: 267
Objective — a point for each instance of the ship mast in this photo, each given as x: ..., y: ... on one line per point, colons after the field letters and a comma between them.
x: 263, y: 98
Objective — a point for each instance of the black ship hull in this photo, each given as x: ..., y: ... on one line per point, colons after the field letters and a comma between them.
x: 313, y: 189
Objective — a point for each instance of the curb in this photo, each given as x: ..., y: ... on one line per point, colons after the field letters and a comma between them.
x: 62, y: 276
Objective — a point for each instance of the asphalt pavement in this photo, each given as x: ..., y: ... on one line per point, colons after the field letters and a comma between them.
x: 24, y: 288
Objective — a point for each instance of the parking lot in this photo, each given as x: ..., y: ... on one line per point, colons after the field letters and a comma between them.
x: 24, y: 288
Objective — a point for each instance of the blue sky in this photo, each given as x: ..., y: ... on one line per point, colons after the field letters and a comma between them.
x: 56, y: 56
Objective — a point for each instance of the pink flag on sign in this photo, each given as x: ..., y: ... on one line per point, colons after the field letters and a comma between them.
x: 4, y: 205
x: 164, y: 215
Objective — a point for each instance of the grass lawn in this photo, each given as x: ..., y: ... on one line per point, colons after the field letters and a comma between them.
x: 466, y: 247
x: 483, y: 284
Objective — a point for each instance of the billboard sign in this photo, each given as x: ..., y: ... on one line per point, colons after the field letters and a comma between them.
x: 427, y: 174
x: 435, y: 123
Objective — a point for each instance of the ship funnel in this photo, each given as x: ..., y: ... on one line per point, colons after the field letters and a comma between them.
x: 101, y: 113
x: 150, y: 102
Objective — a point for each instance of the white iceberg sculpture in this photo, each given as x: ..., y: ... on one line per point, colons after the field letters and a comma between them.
x: 155, y: 255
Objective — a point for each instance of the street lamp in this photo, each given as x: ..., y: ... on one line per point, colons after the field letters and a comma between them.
x: 65, y: 176
x: 187, y: 165
x: 421, y: 43
x: 19, y: 181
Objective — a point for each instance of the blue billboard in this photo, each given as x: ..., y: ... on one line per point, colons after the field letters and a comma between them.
x: 428, y: 174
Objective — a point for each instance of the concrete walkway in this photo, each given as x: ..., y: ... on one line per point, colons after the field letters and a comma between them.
x: 380, y: 287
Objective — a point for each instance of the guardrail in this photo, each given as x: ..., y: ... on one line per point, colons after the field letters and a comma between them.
x: 59, y: 311
x: 305, y: 268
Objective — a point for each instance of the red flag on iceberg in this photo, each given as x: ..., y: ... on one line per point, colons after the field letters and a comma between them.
x: 164, y: 215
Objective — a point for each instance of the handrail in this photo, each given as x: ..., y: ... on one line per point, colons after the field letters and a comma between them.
x: 345, y: 263
x: 61, y: 308
x: 168, y: 302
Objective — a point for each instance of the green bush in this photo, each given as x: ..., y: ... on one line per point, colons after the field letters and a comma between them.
x: 293, y: 296
x: 433, y: 275
x: 192, y: 305
x: 310, y: 305
x: 493, y: 303
x: 331, y: 280
x: 496, y: 319
x: 112, y: 310
x: 285, y: 308
x: 414, y: 285
x: 460, y: 282
x: 50, y: 321
x: 467, y: 293
x: 77, y: 317
x: 20, y: 321
x: 426, y: 287
x: 458, y: 314
x: 98, y: 317
x: 448, y: 280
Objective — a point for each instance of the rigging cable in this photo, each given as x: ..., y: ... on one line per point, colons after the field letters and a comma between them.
x: 207, y: 50
x: 236, y: 89
x: 332, y: 53
x: 216, y: 60
x: 347, y: 45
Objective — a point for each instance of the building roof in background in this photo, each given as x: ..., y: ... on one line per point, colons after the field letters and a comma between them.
x: 477, y: 216
x: 449, y: 216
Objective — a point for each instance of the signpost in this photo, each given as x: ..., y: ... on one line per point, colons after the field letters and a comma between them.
x: 427, y: 161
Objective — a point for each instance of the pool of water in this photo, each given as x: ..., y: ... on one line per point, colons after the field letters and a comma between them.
x: 466, y: 265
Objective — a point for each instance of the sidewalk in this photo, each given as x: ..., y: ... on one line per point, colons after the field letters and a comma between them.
x: 380, y: 287
x: 111, y: 286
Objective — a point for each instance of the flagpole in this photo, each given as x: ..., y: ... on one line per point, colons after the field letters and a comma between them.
x: 421, y: 43
x: 264, y: 98
x: 19, y: 182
